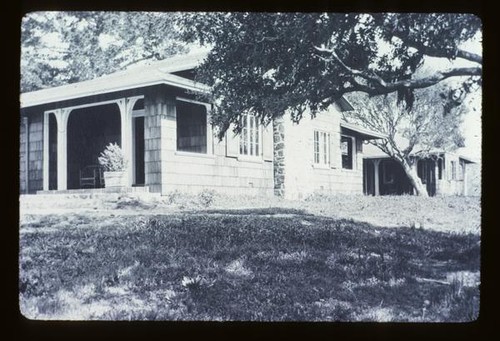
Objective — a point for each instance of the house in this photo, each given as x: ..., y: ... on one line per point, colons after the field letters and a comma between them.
x: 153, y: 113
x: 442, y: 172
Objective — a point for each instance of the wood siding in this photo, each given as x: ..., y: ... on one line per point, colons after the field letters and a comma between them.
x: 23, y: 155
x: 35, y: 152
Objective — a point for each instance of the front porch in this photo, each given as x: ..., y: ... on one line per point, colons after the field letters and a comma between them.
x: 74, y: 137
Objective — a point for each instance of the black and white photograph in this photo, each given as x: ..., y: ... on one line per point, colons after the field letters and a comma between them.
x: 250, y: 166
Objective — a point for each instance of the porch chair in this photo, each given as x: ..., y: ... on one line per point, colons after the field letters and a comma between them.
x: 91, y: 177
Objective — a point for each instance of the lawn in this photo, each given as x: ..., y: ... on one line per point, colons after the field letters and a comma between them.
x: 264, y: 264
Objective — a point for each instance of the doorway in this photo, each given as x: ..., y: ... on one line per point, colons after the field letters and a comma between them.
x: 138, y: 127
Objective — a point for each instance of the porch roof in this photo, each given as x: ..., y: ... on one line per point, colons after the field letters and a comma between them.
x: 372, y: 152
x: 365, y: 134
x: 135, y: 77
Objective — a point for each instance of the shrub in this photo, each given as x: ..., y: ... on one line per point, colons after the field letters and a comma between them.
x: 206, y: 197
x: 112, y: 158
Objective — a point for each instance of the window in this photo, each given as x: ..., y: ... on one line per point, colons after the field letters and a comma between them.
x: 321, y: 148
x: 453, y: 170
x: 346, y: 143
x: 191, y: 127
x: 250, y: 137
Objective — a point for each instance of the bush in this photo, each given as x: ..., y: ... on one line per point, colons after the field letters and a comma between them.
x: 206, y: 198
x: 112, y: 158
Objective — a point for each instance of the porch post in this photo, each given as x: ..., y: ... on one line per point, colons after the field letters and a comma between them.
x: 45, y: 150
x: 126, y: 106
x: 436, y: 177
x: 376, y: 176
x: 62, y: 116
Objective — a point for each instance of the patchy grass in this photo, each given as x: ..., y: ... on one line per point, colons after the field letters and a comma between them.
x: 266, y: 264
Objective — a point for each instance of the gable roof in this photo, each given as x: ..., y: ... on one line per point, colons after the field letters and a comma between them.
x: 159, y: 72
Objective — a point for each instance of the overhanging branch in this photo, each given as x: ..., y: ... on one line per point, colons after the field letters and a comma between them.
x: 377, y: 86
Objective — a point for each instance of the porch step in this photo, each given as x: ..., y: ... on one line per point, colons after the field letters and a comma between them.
x: 142, y: 189
x: 95, y: 198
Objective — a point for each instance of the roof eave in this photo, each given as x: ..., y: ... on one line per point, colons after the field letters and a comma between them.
x: 168, y: 79
x: 365, y: 134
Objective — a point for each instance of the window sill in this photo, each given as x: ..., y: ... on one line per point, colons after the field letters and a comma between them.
x: 254, y: 159
x: 349, y: 170
x: 208, y: 156
x: 321, y: 166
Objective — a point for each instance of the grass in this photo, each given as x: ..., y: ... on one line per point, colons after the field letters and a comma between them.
x: 271, y: 264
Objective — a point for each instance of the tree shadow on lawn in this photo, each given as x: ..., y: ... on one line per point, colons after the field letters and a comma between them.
x: 258, y: 264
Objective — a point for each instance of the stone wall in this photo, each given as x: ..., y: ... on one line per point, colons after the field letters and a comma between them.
x: 279, y: 157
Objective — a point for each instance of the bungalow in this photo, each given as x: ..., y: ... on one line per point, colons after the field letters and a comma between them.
x: 152, y: 112
x: 442, y: 172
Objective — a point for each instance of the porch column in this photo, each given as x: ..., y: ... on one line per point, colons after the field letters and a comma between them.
x: 376, y: 164
x: 62, y: 116
x: 45, y: 150
x: 436, y: 177
x: 126, y: 106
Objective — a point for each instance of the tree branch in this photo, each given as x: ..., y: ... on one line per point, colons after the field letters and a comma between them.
x: 432, y: 52
x: 381, y: 87
x: 473, y: 57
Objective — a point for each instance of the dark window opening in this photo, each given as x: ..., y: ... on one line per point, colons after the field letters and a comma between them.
x: 346, y: 149
x: 191, y: 127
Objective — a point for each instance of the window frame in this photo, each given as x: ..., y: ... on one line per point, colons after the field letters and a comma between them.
x: 453, y: 170
x: 321, y: 148
x: 352, y: 140
x: 251, y: 131
x: 208, y: 127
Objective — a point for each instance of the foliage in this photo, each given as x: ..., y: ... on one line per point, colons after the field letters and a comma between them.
x: 66, y: 47
x: 270, y: 63
x: 239, y: 267
x: 112, y: 158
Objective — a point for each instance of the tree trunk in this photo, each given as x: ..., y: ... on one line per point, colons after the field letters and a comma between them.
x: 414, y: 179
